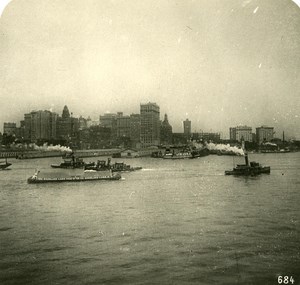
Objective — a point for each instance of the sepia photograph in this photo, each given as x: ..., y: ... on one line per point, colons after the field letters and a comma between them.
x: 149, y: 142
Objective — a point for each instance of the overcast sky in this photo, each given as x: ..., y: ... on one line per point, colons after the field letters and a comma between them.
x: 218, y: 63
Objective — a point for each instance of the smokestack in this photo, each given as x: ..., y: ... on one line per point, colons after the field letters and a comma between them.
x: 246, y: 159
x: 283, y: 136
x: 243, y: 144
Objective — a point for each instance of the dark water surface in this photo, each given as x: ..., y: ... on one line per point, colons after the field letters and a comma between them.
x: 174, y: 222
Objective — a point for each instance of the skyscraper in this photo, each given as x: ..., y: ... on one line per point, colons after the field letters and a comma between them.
x: 150, y: 124
x: 166, y: 131
x: 122, y: 125
x: 40, y: 126
x: 241, y: 132
x: 107, y: 120
x: 64, y: 127
x: 264, y: 134
x: 135, y: 130
x: 187, y: 128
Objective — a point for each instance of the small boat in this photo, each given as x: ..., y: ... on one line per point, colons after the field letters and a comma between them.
x: 4, y: 164
x: 70, y: 161
x: 248, y: 169
x: 35, y: 179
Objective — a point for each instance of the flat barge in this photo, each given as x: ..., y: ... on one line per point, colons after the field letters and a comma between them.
x: 34, y: 179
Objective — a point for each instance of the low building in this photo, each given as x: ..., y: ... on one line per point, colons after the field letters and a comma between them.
x: 179, y: 139
x: 129, y: 153
x: 9, y: 128
x: 213, y: 137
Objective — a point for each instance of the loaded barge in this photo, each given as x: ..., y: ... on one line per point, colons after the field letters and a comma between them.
x: 34, y: 179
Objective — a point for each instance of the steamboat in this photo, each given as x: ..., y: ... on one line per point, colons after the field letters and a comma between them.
x: 248, y: 169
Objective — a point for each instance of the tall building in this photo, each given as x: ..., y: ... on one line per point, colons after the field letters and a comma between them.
x: 187, y: 128
x: 240, y: 133
x: 135, y: 130
x: 40, y: 126
x: 27, y: 127
x: 264, y: 134
x: 64, y: 126
x: 123, y: 125
x: 150, y: 124
x: 107, y: 120
x: 82, y: 123
x: 53, y: 125
x: 166, y: 131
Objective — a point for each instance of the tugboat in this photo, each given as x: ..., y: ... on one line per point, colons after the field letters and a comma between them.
x: 199, y: 153
x: 4, y: 164
x: 100, y: 165
x: 122, y: 167
x: 70, y: 161
x: 252, y: 169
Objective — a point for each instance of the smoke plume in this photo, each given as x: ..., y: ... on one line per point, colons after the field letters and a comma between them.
x: 224, y: 149
x: 45, y: 147
x: 269, y: 143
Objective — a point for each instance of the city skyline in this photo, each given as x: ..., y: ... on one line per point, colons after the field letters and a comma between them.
x: 217, y: 64
x: 105, y: 120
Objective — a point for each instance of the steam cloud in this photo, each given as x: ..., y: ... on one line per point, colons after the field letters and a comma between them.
x: 225, y: 149
x: 269, y: 143
x: 197, y: 145
x: 45, y: 147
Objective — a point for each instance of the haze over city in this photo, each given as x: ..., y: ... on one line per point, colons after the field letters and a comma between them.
x: 217, y: 63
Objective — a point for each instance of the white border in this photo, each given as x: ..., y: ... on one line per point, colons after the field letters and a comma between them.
x: 3, y: 4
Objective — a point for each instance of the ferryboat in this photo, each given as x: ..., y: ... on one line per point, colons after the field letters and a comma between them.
x: 178, y: 155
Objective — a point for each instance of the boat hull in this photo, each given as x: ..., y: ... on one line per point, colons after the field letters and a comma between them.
x: 178, y: 157
x: 249, y: 171
x: 36, y: 180
x: 66, y: 166
x: 4, y: 166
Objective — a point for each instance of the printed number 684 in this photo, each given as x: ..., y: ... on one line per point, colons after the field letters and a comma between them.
x: 285, y: 280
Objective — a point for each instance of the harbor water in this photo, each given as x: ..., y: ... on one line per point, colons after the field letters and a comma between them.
x: 173, y: 222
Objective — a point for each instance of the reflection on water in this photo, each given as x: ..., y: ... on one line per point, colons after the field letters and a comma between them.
x: 174, y: 222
